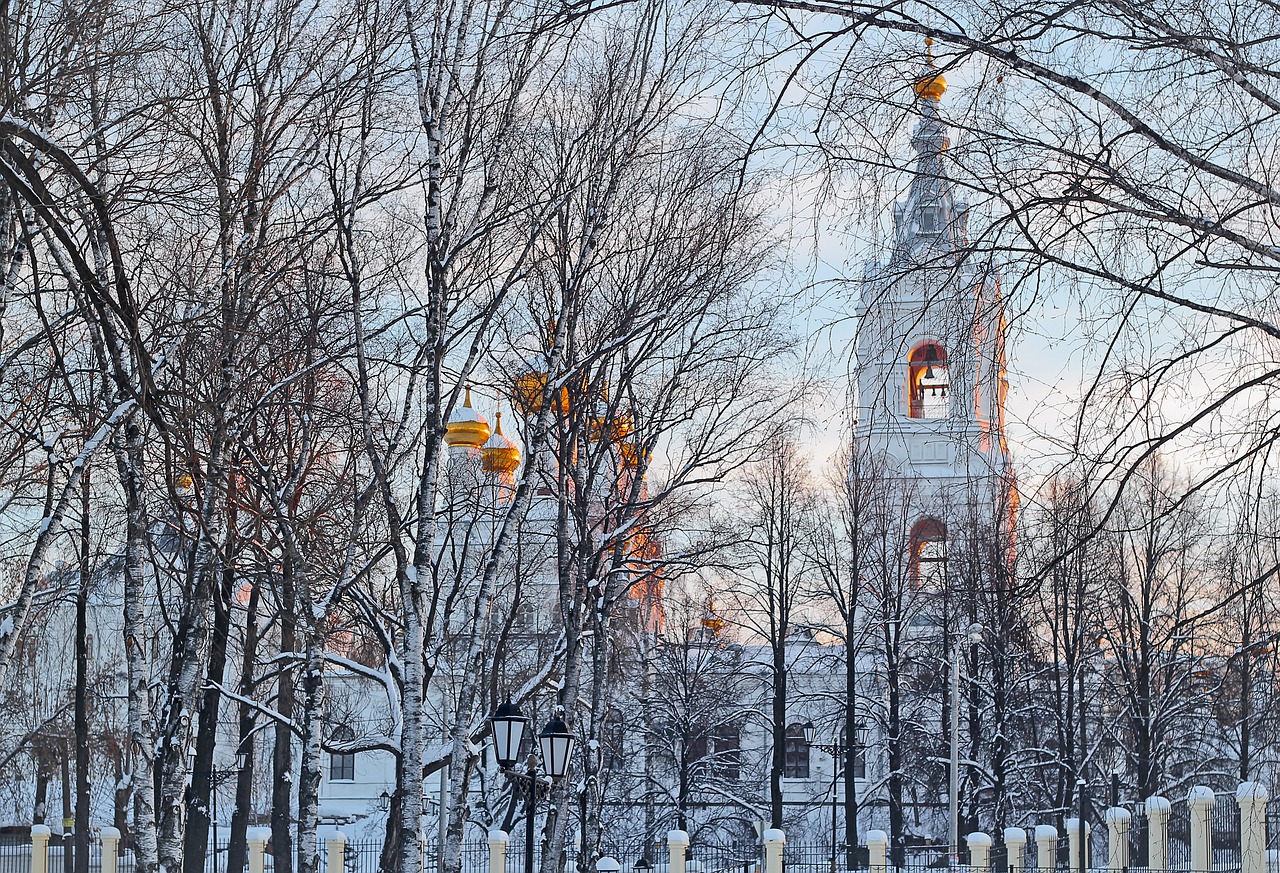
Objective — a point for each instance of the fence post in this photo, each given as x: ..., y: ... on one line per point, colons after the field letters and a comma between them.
x: 110, y: 848
x: 1076, y: 840
x: 979, y: 852
x: 257, y: 842
x: 877, y: 851
x: 40, y: 848
x: 1046, y: 847
x: 498, y: 840
x: 1015, y: 843
x: 1200, y: 802
x: 1158, y: 809
x: 677, y: 845
x: 1118, y: 821
x: 1252, y: 797
x: 335, y: 847
x: 774, y: 840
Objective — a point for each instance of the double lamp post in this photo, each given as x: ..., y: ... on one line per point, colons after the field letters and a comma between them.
x: 556, y: 745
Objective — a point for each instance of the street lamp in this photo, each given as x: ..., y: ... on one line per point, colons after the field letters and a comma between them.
x: 555, y: 742
x: 384, y: 801
x: 508, y: 730
x: 837, y: 750
x: 973, y: 637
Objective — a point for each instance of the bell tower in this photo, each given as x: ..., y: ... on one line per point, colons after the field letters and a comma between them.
x: 930, y: 352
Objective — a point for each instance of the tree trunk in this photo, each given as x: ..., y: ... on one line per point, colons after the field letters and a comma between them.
x: 204, y: 774
x: 82, y: 688
x: 237, y: 845
x: 282, y: 757
x: 309, y: 770
x: 137, y: 632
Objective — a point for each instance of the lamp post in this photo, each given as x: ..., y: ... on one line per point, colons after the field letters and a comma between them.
x: 838, y: 751
x: 555, y: 744
x: 973, y: 636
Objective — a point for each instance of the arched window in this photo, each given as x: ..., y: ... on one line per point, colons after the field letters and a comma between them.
x: 795, y: 763
x: 928, y: 382
x: 929, y: 554
x: 612, y: 737
x: 727, y: 763
x: 342, y: 765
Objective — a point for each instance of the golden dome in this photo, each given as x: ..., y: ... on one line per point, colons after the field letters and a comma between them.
x: 711, y: 620
x: 466, y: 427
x: 929, y: 85
x: 500, y: 453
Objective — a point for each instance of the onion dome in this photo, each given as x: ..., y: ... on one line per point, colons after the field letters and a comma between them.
x: 527, y: 392
x: 711, y: 620
x: 930, y: 84
x: 500, y: 453
x: 467, y: 428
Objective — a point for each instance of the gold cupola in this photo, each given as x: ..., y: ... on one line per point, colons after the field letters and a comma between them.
x: 930, y: 84
x: 711, y: 620
x: 467, y: 428
x: 500, y: 453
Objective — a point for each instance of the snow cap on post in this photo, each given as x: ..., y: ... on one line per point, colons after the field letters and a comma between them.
x: 1200, y: 795
x: 677, y: 838
x: 1252, y: 792
x: 607, y: 864
x: 978, y: 838
x: 1046, y: 832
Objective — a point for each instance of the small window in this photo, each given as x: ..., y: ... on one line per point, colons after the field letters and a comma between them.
x: 928, y: 217
x: 342, y: 765
x: 796, y: 758
x: 928, y: 382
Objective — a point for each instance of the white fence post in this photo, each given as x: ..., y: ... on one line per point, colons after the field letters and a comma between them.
x: 257, y: 842
x: 1158, y: 809
x: 1252, y: 797
x: 877, y: 851
x: 335, y: 852
x: 1200, y: 802
x: 1075, y: 842
x: 1046, y: 847
x: 1118, y: 821
x: 677, y: 845
x: 1015, y: 844
x: 110, y: 848
x: 979, y: 852
x: 774, y: 840
x: 498, y: 840
x: 40, y: 848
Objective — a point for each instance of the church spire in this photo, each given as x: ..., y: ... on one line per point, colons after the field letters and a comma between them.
x: 929, y: 223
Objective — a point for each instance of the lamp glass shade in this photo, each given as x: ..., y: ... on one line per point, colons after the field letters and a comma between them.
x: 242, y: 760
x: 508, y: 730
x: 810, y: 733
x: 556, y: 745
